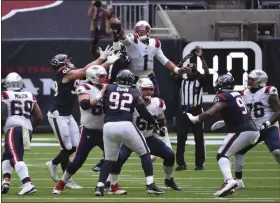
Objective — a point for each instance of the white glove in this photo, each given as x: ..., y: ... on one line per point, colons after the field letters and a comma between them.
x: 111, y: 59
x: 217, y: 125
x: 264, y: 125
x: 107, y: 52
x: 193, y: 119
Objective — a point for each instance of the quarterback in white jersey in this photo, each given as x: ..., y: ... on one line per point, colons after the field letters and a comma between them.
x: 16, y: 111
x: 157, y: 147
x: 264, y: 105
x: 92, y: 120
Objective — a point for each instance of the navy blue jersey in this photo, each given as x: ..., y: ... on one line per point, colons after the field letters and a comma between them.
x: 63, y: 97
x: 236, y: 115
x: 119, y: 103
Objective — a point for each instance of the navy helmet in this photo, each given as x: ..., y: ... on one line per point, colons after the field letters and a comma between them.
x: 61, y: 60
x: 125, y: 77
x: 224, y: 83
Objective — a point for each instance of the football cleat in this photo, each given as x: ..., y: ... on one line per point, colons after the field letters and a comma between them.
x: 72, y: 185
x: 240, y: 184
x: 52, y: 170
x: 59, y: 187
x: 107, y: 186
x: 99, y: 189
x: 116, y: 190
x: 27, y: 189
x: 153, y: 189
x: 170, y: 183
x: 227, y: 188
x: 5, y: 186
x: 98, y: 166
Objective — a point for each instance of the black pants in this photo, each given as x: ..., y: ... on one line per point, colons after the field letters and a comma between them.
x: 183, y: 125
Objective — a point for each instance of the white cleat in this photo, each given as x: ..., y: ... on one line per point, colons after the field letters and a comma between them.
x: 240, y: 184
x: 52, y: 170
x: 227, y: 188
x: 27, y: 189
x: 56, y: 192
x: 5, y: 186
x: 72, y: 185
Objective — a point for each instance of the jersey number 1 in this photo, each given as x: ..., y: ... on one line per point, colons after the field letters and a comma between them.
x: 146, y: 62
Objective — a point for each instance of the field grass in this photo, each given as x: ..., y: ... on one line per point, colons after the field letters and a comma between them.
x: 262, y: 179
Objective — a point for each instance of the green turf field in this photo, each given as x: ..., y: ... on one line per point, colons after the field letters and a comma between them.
x: 262, y: 179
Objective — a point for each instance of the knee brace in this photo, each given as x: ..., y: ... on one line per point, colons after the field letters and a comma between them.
x: 220, y: 156
x: 276, y: 154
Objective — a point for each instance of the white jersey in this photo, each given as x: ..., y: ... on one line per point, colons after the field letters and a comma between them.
x: 156, y: 107
x: 92, y: 118
x: 142, y: 55
x: 258, y: 104
x: 20, y: 106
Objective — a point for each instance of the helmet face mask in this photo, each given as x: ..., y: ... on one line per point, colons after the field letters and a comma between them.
x: 143, y: 30
x: 125, y: 78
x: 13, y: 82
x: 224, y: 83
x: 146, y: 88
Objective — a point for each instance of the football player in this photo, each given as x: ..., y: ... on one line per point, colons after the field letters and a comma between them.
x: 264, y: 105
x: 142, y: 49
x: 60, y: 113
x: 119, y: 102
x: 156, y: 107
x: 242, y: 131
x: 20, y: 113
x: 92, y: 120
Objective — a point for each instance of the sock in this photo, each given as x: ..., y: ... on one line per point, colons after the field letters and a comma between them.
x: 7, y: 169
x: 105, y: 171
x: 224, y: 165
x: 168, y: 172
x: 22, y: 172
x: 109, y: 178
x: 114, y: 178
x: 149, y: 179
x: 58, y: 158
x: 66, y: 176
x: 238, y: 165
x: 147, y: 165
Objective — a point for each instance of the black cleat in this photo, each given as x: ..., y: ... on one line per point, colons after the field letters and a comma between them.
x: 170, y: 183
x: 5, y: 187
x: 199, y: 168
x: 99, y: 191
x: 107, y: 186
x: 153, y: 189
x: 98, y: 166
x: 181, y: 167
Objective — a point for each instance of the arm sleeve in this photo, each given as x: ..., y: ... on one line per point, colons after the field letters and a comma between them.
x: 145, y: 114
x: 161, y: 57
x: 130, y: 39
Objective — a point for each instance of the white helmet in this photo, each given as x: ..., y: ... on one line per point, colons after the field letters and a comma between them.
x: 96, y: 74
x: 145, y: 84
x: 257, y: 79
x: 143, y: 30
x: 13, y: 82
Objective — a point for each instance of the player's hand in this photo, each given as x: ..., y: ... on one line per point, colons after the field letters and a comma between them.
x: 184, y: 70
x: 193, y: 119
x: 162, y: 131
x: 114, y: 57
x: 103, y: 88
x: 198, y: 51
x: 264, y: 125
x: 217, y: 125
x: 107, y: 52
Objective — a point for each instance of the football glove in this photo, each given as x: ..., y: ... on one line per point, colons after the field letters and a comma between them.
x: 162, y: 131
x: 193, y: 119
x: 217, y: 125
x: 264, y: 125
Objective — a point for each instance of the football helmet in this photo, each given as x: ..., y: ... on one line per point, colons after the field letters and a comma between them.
x: 257, y: 79
x: 97, y: 74
x: 61, y: 60
x: 13, y: 82
x: 224, y: 83
x: 146, y: 87
x: 125, y: 77
x: 143, y: 30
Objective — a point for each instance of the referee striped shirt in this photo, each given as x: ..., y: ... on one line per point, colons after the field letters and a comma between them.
x: 191, y: 92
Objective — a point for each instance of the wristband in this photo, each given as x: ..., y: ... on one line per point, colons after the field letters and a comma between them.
x: 268, y: 123
x: 176, y: 70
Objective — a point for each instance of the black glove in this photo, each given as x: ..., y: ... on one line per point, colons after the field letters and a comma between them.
x: 116, y: 36
x: 97, y: 4
x: 162, y: 131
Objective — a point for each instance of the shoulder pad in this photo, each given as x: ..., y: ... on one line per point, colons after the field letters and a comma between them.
x: 160, y: 103
x: 5, y: 95
x: 157, y: 43
x: 63, y: 70
x: 83, y: 89
x: 243, y: 92
x: 219, y: 98
x: 271, y: 90
x: 133, y: 37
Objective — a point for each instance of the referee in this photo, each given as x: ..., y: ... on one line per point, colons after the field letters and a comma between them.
x: 191, y: 90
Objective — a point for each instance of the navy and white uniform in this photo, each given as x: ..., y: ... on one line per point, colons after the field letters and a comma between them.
x: 60, y: 114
